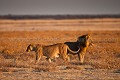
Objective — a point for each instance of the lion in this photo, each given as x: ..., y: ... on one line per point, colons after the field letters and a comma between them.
x: 51, y: 51
x: 83, y: 42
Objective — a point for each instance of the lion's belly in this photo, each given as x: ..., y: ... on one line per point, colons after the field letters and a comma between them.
x: 51, y: 52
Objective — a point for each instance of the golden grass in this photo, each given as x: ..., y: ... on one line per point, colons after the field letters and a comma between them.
x: 101, y: 58
x: 105, y: 54
x: 15, y: 42
x: 70, y: 25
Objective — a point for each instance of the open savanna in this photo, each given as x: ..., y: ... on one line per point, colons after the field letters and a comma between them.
x: 102, y: 60
x: 61, y: 25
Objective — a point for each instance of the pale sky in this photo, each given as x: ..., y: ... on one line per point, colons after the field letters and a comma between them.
x: 59, y: 7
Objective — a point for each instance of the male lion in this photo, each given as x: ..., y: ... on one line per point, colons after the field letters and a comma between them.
x: 50, y: 51
x: 83, y: 42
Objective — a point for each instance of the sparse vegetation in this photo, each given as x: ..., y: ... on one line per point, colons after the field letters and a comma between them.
x: 101, y: 59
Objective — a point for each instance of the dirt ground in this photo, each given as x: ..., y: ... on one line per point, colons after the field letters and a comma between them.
x: 102, y: 60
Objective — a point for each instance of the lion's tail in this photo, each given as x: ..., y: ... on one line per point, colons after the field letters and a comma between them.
x: 73, y: 52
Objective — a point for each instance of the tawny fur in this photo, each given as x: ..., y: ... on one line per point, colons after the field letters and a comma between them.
x: 51, y: 51
x: 83, y: 42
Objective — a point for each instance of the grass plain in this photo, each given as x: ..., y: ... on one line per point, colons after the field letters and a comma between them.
x: 102, y: 60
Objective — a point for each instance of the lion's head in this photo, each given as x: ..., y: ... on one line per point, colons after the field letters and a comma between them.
x: 30, y: 47
x: 84, y: 40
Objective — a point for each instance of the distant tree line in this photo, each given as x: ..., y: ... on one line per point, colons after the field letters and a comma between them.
x: 9, y: 16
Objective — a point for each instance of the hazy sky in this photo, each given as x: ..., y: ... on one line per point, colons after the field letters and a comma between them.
x: 59, y: 7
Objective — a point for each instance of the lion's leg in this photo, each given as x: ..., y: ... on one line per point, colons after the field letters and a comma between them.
x: 65, y: 57
x: 81, y: 57
x: 55, y: 58
x: 38, y: 57
x: 48, y: 59
x: 38, y: 60
x: 68, y: 58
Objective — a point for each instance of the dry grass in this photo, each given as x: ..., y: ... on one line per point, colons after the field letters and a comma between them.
x: 103, y: 55
x: 71, y: 25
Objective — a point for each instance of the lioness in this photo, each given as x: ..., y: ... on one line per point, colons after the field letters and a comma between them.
x: 83, y: 42
x: 51, y: 51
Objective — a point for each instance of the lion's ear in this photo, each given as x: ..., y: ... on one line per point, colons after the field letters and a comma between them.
x: 33, y: 45
x: 88, y: 36
x: 30, y: 44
